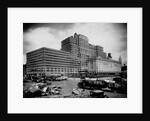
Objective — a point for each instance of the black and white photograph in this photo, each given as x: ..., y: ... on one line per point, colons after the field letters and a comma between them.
x: 75, y: 60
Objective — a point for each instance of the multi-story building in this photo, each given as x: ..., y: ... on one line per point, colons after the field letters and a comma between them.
x: 89, y: 54
x: 80, y: 48
x: 46, y: 61
x: 76, y: 55
x: 99, y: 64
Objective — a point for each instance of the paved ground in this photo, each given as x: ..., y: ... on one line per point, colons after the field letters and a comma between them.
x: 68, y: 85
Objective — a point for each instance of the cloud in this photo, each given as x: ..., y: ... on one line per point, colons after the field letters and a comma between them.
x: 55, y: 26
x: 111, y: 36
x: 39, y: 37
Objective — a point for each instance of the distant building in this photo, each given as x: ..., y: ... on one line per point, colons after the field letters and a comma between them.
x: 124, y: 68
x: 120, y: 60
x: 76, y: 55
x: 99, y: 64
x: 124, y: 71
x: 24, y: 69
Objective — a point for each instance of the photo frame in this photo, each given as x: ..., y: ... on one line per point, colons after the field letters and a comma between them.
x: 8, y: 64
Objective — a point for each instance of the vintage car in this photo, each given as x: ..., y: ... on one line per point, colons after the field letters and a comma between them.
x: 92, y: 83
x: 116, y: 85
x: 61, y: 78
x: 98, y: 94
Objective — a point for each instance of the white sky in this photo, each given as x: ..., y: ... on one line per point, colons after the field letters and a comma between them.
x: 113, y: 37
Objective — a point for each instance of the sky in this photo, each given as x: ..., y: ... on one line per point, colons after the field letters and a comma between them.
x: 111, y: 36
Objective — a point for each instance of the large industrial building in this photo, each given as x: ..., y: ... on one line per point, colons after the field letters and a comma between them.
x: 46, y: 61
x: 92, y: 57
x: 76, y: 54
x: 99, y: 64
x: 79, y: 47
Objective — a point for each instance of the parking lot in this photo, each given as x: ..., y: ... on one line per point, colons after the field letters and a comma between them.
x: 67, y: 86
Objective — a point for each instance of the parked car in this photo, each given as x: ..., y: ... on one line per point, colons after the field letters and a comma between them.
x: 98, y: 94
x: 61, y: 78
x: 92, y: 83
x: 117, y: 79
x: 118, y: 85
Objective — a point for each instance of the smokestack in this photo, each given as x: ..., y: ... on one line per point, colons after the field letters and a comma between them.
x: 109, y: 55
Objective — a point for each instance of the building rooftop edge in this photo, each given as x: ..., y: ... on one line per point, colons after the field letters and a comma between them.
x: 49, y: 49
